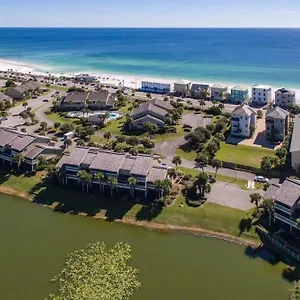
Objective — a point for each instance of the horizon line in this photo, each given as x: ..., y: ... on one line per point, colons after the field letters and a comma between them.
x: 66, y: 27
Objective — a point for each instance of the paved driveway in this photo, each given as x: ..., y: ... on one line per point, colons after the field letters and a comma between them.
x: 195, y: 120
x: 231, y: 195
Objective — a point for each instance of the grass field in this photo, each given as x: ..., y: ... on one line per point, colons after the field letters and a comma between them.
x: 70, y: 199
x: 241, y: 154
x: 186, y: 155
x: 55, y: 117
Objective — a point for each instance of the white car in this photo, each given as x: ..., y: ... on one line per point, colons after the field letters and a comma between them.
x: 261, y: 179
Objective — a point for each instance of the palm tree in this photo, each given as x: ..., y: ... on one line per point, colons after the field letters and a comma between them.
x: 216, y: 163
x: 18, y: 159
x: 214, y: 102
x: 68, y: 143
x: 202, y: 182
x: 221, y: 106
x: 268, y: 207
x: 113, y: 181
x: 202, y: 160
x: 202, y: 103
x: 99, y: 177
x: 52, y: 172
x: 163, y: 186
x: 41, y: 160
x: 132, y: 182
x: 107, y: 135
x: 256, y: 198
x: 24, y: 104
x: 176, y: 160
x: 85, y: 178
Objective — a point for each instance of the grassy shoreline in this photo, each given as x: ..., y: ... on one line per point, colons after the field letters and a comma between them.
x: 211, y: 220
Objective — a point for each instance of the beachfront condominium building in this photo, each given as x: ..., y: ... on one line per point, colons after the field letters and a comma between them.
x: 153, y: 111
x: 182, y: 87
x: 287, y: 205
x: 239, y: 94
x: 91, y: 100
x: 219, y: 92
x: 144, y: 168
x: 261, y: 94
x: 30, y: 146
x: 243, y: 121
x: 295, y: 145
x: 25, y: 90
x: 200, y: 91
x: 284, y: 97
x: 156, y: 87
x: 85, y: 78
x: 277, y: 123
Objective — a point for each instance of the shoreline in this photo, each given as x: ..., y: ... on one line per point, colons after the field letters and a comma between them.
x: 111, y: 78
x: 158, y: 227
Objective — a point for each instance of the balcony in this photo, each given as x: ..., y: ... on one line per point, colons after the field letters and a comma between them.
x: 235, y: 119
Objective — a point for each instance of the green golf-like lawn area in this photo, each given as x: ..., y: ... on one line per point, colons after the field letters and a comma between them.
x: 244, y: 155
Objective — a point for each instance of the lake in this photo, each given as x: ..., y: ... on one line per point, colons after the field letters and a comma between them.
x: 35, y: 240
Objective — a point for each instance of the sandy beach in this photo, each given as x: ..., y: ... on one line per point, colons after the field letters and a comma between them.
x: 128, y: 81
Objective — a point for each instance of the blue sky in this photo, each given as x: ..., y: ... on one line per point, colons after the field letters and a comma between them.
x: 146, y: 13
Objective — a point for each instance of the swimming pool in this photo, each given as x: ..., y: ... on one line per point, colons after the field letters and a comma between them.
x: 95, y: 114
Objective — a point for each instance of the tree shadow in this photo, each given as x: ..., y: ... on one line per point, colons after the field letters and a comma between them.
x: 245, y: 225
x: 149, y: 211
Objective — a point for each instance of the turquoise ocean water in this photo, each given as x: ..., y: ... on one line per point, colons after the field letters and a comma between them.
x: 250, y: 56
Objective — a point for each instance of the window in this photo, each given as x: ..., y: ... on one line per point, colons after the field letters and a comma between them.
x: 258, y: 94
x: 246, y: 125
x: 241, y: 117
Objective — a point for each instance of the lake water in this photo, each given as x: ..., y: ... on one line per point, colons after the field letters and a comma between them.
x: 35, y: 240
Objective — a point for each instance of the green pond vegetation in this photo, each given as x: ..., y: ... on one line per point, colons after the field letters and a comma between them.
x: 97, y: 273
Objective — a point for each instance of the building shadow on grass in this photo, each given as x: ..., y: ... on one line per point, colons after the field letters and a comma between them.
x: 71, y: 199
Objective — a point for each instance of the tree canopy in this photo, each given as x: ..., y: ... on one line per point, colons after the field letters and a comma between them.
x: 97, y: 273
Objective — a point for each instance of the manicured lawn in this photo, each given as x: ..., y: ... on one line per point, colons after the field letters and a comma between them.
x: 241, y: 154
x: 98, y: 139
x: 115, y: 127
x: 186, y: 155
x: 55, y: 117
x: 194, y: 172
x: 71, y: 199
x: 17, y: 182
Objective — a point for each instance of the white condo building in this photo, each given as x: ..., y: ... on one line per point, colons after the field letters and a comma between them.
x: 261, y: 94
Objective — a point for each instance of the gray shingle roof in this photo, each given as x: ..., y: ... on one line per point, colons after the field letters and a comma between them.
x: 3, y: 97
x: 108, y: 161
x: 219, y: 86
x: 295, y: 143
x: 162, y: 104
x: 34, y: 152
x: 128, y: 164
x: 142, y: 166
x: 284, y: 90
x: 6, y: 137
x: 149, y: 117
x: 243, y: 110
x: 288, y: 193
x: 75, y: 158
x: 21, y: 142
x: 76, y: 97
x: 276, y: 113
x: 146, y: 108
x: 157, y: 173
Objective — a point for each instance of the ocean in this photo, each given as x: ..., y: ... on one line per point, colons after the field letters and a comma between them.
x: 237, y: 56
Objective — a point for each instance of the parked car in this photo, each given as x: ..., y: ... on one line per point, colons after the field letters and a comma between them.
x: 261, y: 179
x: 45, y: 100
x: 4, y: 118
